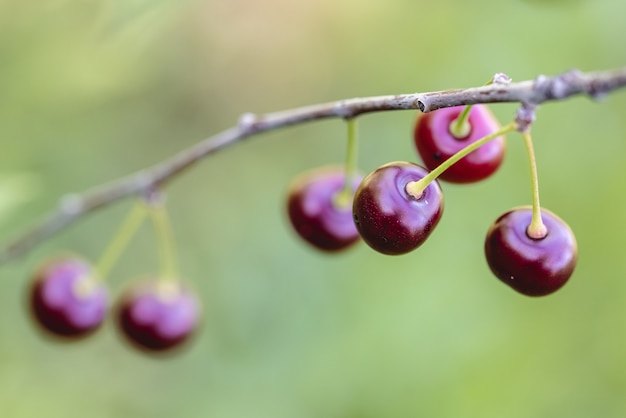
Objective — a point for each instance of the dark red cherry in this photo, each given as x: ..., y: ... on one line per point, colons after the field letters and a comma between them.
x: 435, y: 143
x: 389, y: 218
x: 316, y: 211
x: 534, y: 267
x: 157, y: 316
x: 66, y: 300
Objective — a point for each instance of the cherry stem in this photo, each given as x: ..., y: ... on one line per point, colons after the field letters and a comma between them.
x: 460, y: 127
x: 416, y: 188
x: 165, y: 241
x: 536, y: 229
x: 344, y: 197
x: 119, y: 242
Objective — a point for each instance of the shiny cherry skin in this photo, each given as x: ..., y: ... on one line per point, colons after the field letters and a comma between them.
x: 533, y: 267
x: 435, y: 143
x: 157, y: 316
x: 389, y: 219
x: 316, y: 213
x: 65, y: 300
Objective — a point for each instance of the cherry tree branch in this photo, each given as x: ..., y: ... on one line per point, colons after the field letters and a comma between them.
x: 529, y: 94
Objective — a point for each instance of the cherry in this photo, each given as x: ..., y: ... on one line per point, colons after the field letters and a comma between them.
x: 435, y: 143
x: 316, y: 210
x: 65, y: 299
x: 389, y: 218
x: 534, y: 267
x: 157, y: 316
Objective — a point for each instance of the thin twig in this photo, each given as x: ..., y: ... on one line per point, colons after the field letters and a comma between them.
x: 529, y: 93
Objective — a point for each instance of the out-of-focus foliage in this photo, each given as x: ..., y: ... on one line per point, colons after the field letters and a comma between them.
x: 16, y: 189
x: 93, y: 90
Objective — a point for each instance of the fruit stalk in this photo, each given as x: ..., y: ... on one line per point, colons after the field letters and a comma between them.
x: 165, y: 241
x: 120, y: 241
x: 460, y: 127
x: 536, y: 229
x: 344, y: 198
x: 416, y: 188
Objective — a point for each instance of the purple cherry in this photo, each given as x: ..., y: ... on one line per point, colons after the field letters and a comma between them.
x: 435, y: 143
x: 389, y: 218
x: 157, y: 316
x: 66, y: 300
x: 534, y: 267
x: 316, y: 210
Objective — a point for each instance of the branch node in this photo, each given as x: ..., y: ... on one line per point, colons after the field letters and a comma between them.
x: 597, y: 89
x: 572, y: 76
x: 71, y: 204
x: 543, y: 85
x: 247, y: 121
x: 154, y: 196
x: 501, y: 78
x: 525, y: 116
x: 559, y: 87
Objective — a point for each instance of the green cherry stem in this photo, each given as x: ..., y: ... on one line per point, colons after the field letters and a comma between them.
x: 416, y: 188
x: 536, y: 229
x: 460, y: 127
x: 114, y: 249
x: 344, y: 197
x: 120, y: 240
x: 165, y: 241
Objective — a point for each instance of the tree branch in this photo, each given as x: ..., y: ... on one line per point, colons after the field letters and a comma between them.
x: 529, y: 93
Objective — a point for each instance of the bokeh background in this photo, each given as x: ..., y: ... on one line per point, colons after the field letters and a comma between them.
x: 94, y: 90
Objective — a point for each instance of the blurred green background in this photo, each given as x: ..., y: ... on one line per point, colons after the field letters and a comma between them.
x: 93, y: 90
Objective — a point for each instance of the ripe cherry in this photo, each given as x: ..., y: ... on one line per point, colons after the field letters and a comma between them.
x: 436, y: 142
x: 66, y: 300
x: 389, y: 218
x: 157, y: 316
x: 534, y: 267
x: 319, y: 210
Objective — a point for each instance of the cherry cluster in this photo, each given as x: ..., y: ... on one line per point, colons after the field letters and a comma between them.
x: 69, y: 298
x: 393, y: 209
x: 396, y: 207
